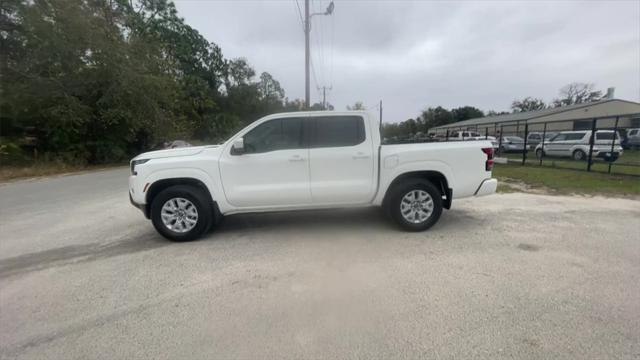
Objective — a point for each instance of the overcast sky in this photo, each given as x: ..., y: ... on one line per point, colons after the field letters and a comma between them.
x: 416, y: 54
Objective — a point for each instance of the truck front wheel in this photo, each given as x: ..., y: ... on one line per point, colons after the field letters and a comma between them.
x: 415, y: 205
x: 181, y: 213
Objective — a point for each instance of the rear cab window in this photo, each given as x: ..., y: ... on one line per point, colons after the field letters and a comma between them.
x: 338, y: 131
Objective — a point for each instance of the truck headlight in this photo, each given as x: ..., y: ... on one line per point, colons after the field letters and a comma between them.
x: 136, y: 162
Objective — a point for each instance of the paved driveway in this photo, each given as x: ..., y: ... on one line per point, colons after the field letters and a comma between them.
x: 84, y: 276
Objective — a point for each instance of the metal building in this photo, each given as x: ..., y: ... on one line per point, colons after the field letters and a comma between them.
x: 572, y: 117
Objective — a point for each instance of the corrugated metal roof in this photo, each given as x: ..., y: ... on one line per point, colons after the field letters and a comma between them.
x: 525, y: 116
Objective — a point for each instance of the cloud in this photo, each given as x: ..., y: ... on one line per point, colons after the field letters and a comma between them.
x: 414, y: 54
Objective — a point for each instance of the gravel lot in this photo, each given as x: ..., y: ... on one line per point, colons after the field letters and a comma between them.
x: 84, y: 276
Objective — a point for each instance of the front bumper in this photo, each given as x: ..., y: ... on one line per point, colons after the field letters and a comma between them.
x: 143, y: 207
x: 487, y: 187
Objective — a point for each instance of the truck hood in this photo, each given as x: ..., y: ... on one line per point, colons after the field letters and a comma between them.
x: 185, y: 151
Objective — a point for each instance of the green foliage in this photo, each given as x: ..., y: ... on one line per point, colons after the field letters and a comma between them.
x: 466, y: 113
x: 358, y: 105
x: 94, y: 81
x: 429, y: 118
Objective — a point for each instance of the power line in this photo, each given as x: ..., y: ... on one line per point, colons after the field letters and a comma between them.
x: 307, y: 57
x: 300, y: 15
x: 315, y: 79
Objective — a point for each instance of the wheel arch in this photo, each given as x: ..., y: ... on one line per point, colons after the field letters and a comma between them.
x: 437, y: 178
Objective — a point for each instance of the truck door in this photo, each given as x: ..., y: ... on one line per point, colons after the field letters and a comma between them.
x: 273, y: 170
x: 341, y: 160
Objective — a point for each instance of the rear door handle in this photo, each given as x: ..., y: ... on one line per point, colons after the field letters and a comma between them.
x: 296, y: 158
x: 360, y: 156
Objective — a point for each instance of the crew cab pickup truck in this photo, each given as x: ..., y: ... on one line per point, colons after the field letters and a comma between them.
x: 306, y: 160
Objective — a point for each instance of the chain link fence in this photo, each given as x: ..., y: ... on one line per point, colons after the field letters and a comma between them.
x: 607, y: 144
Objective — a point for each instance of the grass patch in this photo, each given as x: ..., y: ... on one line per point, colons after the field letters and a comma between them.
x: 39, y: 169
x: 506, y: 188
x: 627, y: 164
x: 568, y: 181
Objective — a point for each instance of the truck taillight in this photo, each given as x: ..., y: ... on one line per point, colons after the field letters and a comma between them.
x: 488, y: 165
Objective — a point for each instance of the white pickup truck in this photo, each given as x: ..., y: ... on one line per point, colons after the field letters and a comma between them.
x: 306, y: 160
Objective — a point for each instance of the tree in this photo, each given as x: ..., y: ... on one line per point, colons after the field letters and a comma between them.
x: 97, y: 81
x: 357, y: 106
x: 527, y: 104
x: 433, y: 117
x: 496, y: 113
x: 465, y: 113
x: 577, y: 93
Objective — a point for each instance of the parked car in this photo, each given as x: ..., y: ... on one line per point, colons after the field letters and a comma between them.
x: 306, y: 160
x: 535, y: 138
x: 472, y: 135
x: 511, y: 144
x: 632, y: 140
x: 575, y: 144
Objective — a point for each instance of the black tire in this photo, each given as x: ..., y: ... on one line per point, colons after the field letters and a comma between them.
x: 539, y: 154
x: 197, y: 197
x: 404, y: 188
x: 579, y: 155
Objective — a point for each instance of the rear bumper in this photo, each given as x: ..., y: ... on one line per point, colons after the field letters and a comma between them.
x: 487, y: 187
x: 607, y: 154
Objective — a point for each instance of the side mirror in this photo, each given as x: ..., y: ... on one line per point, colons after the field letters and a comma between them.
x: 237, y: 148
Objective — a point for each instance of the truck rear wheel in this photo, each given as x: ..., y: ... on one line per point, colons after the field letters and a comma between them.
x: 415, y: 204
x: 181, y: 213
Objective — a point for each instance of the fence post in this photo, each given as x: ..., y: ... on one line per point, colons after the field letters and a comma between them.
x: 544, y: 135
x: 524, y: 150
x: 613, y: 142
x: 500, y: 141
x: 591, y: 141
x: 447, y: 136
x: 486, y: 133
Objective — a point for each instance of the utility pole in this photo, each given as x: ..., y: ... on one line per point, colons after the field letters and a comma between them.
x: 307, y: 54
x: 324, y: 96
x: 307, y: 49
x: 380, y: 117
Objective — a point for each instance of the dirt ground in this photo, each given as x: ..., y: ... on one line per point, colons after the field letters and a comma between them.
x: 84, y: 275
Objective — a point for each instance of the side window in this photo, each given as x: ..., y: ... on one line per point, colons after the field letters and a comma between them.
x: 577, y: 136
x: 534, y: 137
x: 559, y: 137
x: 277, y: 134
x: 335, y: 131
x: 608, y: 135
x: 633, y: 132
